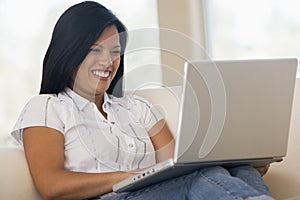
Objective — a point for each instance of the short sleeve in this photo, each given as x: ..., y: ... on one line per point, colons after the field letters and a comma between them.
x: 41, y: 110
x: 147, y: 113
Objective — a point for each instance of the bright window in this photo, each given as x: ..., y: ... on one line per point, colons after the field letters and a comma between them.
x: 26, y: 28
x: 253, y: 28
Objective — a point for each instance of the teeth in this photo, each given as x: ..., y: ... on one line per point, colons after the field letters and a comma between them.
x: 103, y: 74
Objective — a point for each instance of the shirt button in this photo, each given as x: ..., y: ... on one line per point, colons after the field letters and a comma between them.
x: 131, y: 145
x: 91, y: 106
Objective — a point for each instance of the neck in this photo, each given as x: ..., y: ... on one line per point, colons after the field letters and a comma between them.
x: 97, y: 98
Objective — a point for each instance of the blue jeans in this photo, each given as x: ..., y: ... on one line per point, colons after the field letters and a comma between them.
x: 242, y: 182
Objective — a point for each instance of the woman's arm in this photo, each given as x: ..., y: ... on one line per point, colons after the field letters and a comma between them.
x: 44, y: 150
x: 162, y: 140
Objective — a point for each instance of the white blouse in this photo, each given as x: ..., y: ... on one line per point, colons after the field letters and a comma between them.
x: 92, y: 142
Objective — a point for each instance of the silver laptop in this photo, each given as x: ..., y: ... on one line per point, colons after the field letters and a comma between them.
x: 232, y: 112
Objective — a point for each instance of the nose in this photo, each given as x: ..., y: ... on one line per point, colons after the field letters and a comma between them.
x: 105, y: 58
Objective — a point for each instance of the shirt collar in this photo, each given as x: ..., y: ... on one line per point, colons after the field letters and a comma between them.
x: 107, y: 100
x: 79, y: 101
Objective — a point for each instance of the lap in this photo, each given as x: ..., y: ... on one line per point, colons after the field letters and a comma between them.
x: 212, y: 183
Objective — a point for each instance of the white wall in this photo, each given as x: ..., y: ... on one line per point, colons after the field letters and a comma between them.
x: 183, y: 37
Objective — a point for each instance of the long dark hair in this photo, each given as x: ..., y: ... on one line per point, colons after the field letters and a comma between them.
x: 75, y: 32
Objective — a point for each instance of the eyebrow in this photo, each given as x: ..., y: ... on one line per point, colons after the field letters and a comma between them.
x: 100, y: 45
x: 117, y: 46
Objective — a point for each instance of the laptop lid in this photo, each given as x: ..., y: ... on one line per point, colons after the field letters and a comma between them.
x: 232, y: 112
x: 235, y: 110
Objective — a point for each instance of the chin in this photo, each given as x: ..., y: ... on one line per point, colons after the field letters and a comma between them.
x: 101, y: 90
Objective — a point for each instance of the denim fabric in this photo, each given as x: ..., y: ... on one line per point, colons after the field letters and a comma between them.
x: 205, y: 184
x: 252, y: 177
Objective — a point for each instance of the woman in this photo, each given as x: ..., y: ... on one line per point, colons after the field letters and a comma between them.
x: 79, y: 140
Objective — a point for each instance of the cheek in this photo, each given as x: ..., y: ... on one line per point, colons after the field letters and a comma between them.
x: 116, y: 65
x: 81, y: 74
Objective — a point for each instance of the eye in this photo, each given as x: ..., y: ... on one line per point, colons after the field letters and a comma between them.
x: 116, y: 52
x: 96, y: 49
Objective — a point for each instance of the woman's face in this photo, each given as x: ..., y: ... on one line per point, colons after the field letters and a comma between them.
x: 99, y: 67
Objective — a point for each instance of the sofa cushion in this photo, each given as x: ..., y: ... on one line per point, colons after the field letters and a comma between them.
x: 16, y: 182
x: 166, y: 100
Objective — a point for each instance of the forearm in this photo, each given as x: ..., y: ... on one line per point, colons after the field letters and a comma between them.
x: 165, y: 152
x: 163, y: 141
x: 44, y: 150
x: 76, y: 185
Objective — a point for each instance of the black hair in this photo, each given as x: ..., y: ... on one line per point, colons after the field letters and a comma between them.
x: 77, y: 29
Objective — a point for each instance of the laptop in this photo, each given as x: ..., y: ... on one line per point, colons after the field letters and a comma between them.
x: 232, y: 112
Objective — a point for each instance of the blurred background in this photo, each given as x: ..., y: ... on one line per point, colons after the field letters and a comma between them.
x: 224, y: 29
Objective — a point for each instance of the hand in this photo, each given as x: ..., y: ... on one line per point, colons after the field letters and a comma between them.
x: 264, y: 169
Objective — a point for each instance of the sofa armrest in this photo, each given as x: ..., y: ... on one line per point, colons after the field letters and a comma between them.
x: 283, y: 178
x: 16, y: 182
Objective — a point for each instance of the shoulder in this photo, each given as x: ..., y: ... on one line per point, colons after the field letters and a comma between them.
x: 43, y: 100
x: 44, y: 105
x: 41, y: 110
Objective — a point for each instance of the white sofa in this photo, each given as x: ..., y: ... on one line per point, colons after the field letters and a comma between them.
x: 15, y: 179
x: 283, y: 178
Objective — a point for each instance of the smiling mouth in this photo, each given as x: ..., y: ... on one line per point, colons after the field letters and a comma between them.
x: 101, y: 73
